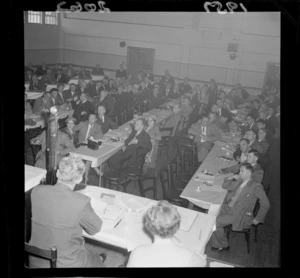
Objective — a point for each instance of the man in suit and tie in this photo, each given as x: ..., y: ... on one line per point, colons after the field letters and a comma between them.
x: 138, y: 138
x: 105, y: 121
x: 205, y: 135
x: 237, y: 209
x: 42, y: 104
x: 184, y: 87
x: 71, y: 95
x: 89, y: 130
x: 61, y: 142
x: 251, y: 135
x: 60, y: 96
x: 97, y: 70
x: 60, y: 77
x: 168, y: 92
x: 248, y: 124
x: 82, y: 108
x: 59, y: 216
x: 36, y: 85
x: 42, y: 69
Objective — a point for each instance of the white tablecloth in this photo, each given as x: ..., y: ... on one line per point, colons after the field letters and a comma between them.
x: 33, y: 176
x: 129, y: 233
x: 205, y: 196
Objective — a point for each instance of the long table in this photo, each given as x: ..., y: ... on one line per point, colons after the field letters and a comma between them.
x: 107, y: 149
x: 33, y: 176
x: 129, y: 233
x: 210, y: 195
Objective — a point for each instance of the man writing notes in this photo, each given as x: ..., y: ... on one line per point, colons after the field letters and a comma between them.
x: 238, y: 206
x: 59, y: 215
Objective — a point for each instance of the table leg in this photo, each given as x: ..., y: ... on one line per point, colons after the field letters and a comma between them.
x: 87, y: 168
x: 100, y: 174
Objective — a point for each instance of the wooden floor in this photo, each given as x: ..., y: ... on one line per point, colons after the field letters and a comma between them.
x: 264, y: 253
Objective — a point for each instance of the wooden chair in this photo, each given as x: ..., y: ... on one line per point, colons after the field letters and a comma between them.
x: 135, y: 172
x: 247, y: 232
x: 151, y: 174
x: 49, y: 254
x: 163, y: 144
x: 170, y: 194
x: 186, y: 153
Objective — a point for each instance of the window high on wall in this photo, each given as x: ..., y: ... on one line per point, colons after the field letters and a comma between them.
x: 40, y: 17
x: 35, y: 17
x: 51, y: 18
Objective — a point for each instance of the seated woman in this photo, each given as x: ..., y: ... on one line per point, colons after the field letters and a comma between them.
x: 155, y: 136
x: 59, y: 216
x: 162, y: 221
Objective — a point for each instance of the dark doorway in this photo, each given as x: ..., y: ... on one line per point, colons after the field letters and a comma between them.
x: 139, y: 58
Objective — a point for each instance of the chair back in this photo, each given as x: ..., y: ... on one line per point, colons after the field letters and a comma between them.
x: 49, y: 254
x: 168, y: 132
x: 140, y: 159
x: 257, y: 204
x: 185, y: 140
x: 164, y: 175
x: 173, y: 166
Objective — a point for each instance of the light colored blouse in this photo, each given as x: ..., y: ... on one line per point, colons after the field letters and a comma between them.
x: 165, y: 254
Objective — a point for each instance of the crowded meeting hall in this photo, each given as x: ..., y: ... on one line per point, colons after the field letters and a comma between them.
x: 152, y: 139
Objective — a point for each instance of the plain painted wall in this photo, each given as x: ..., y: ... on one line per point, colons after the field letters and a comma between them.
x: 188, y: 44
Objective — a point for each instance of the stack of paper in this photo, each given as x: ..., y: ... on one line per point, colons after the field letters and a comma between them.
x: 112, y: 216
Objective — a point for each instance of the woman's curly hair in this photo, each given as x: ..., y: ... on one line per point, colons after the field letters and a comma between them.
x: 162, y: 220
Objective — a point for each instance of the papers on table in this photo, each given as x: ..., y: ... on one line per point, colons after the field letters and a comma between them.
x: 187, y: 218
x: 133, y: 204
x: 112, y: 216
x: 108, y: 198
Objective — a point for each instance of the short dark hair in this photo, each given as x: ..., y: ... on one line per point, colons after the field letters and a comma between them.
x: 255, y: 153
x: 248, y: 167
x: 246, y: 140
x: 261, y: 121
x: 52, y: 90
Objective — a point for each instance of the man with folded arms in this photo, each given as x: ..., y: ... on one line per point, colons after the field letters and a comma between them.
x: 237, y: 209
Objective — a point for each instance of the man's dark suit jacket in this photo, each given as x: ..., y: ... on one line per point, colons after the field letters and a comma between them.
x: 86, y: 107
x: 67, y: 94
x: 244, y: 205
x: 59, y: 215
x: 129, y: 155
x: 62, y: 79
x: 39, y: 86
x: 108, y: 102
x: 171, y: 94
x: 107, y: 124
x: 96, y: 71
x: 184, y: 88
x: 121, y: 73
x: 40, y: 71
